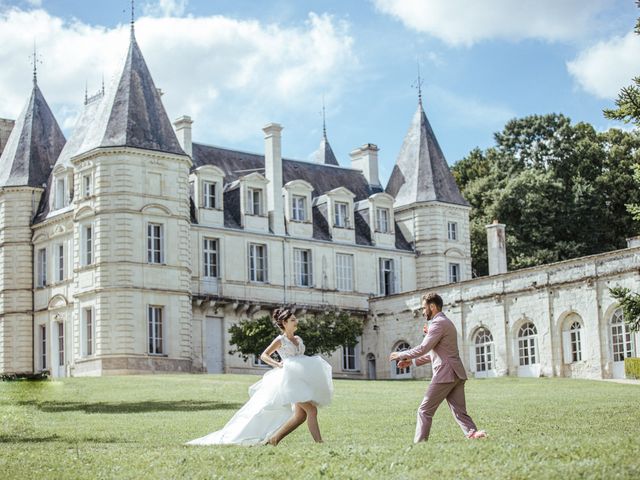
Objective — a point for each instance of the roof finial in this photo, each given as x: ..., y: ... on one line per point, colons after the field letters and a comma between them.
x: 418, y: 84
x: 324, y: 121
x: 36, y: 60
x: 133, y: 16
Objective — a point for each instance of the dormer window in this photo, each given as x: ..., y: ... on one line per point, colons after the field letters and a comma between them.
x: 341, y: 215
x: 299, y: 208
x: 206, y: 187
x: 209, y: 192
x: 254, y: 201
x: 60, y: 193
x: 382, y: 220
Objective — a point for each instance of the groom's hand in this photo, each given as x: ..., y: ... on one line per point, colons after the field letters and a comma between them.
x: 404, y: 363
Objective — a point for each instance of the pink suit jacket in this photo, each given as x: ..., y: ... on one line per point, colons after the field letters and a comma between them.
x: 442, y: 341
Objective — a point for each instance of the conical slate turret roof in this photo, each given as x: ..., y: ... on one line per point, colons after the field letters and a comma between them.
x: 132, y: 114
x: 33, y: 146
x: 325, y: 154
x: 421, y: 173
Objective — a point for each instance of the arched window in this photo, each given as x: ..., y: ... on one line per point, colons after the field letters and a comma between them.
x: 402, y: 372
x: 621, y: 338
x: 527, y: 344
x: 484, y: 350
x: 572, y: 339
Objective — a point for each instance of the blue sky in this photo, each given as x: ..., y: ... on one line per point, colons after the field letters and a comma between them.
x: 235, y: 65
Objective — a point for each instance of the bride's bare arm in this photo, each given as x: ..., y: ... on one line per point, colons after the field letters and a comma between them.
x: 266, y: 355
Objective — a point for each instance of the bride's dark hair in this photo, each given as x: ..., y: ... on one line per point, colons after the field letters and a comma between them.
x: 281, y: 315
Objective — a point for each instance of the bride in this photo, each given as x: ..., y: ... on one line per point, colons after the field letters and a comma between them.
x: 284, y: 398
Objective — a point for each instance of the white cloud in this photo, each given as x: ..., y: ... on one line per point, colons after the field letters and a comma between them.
x: 232, y: 76
x: 165, y: 8
x: 465, y: 22
x: 607, y: 66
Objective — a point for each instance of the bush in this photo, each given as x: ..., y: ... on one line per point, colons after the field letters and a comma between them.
x: 632, y: 368
x: 322, y: 333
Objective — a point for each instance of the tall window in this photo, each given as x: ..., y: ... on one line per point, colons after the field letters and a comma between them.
x: 382, y: 220
x: 299, y: 208
x: 454, y: 272
x: 87, y: 244
x: 254, y: 201
x: 87, y: 187
x: 527, y: 344
x: 387, y: 277
x: 303, y: 267
x: 209, y: 191
x: 88, y: 331
x: 484, y: 350
x: 60, y: 343
x: 452, y: 230
x: 155, y: 243
x: 257, y: 262
x: 155, y: 330
x: 344, y: 272
x: 621, y: 339
x: 341, y: 214
x: 402, y: 371
x: 210, y: 258
x: 42, y: 267
x: 43, y: 347
x: 572, y: 341
x: 60, y: 193
x: 349, y: 357
x: 60, y: 263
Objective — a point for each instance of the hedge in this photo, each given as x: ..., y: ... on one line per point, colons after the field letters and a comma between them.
x: 632, y: 367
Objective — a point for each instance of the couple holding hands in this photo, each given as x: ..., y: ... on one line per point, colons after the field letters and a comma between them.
x: 289, y: 394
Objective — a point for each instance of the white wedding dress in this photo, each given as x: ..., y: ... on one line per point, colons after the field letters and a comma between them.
x: 301, y: 379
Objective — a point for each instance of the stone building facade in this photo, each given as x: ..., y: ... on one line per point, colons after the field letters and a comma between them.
x: 130, y: 248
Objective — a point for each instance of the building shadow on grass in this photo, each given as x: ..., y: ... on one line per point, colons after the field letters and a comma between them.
x: 59, y: 438
x: 131, y: 407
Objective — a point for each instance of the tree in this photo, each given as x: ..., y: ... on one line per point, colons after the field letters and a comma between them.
x: 561, y: 189
x: 628, y: 102
x: 630, y: 303
x: 322, y: 333
x: 628, y: 111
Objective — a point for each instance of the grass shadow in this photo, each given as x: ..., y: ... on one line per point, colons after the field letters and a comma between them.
x: 59, y: 438
x: 130, y: 407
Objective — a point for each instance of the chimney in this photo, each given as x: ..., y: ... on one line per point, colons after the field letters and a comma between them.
x: 273, y: 173
x: 183, y: 132
x: 365, y: 159
x: 633, y: 242
x: 496, y: 248
x: 5, y: 130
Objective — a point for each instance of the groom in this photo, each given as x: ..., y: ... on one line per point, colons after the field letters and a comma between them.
x: 440, y: 346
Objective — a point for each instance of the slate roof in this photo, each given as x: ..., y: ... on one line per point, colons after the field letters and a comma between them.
x: 421, y: 172
x: 131, y: 114
x: 33, y: 146
x: 324, y: 154
x: 322, y: 177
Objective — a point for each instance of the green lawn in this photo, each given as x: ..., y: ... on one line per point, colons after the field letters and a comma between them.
x: 135, y: 427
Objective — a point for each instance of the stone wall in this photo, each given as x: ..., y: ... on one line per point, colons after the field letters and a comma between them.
x: 548, y: 297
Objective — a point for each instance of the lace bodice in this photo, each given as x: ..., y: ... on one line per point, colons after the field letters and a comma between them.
x: 290, y: 349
